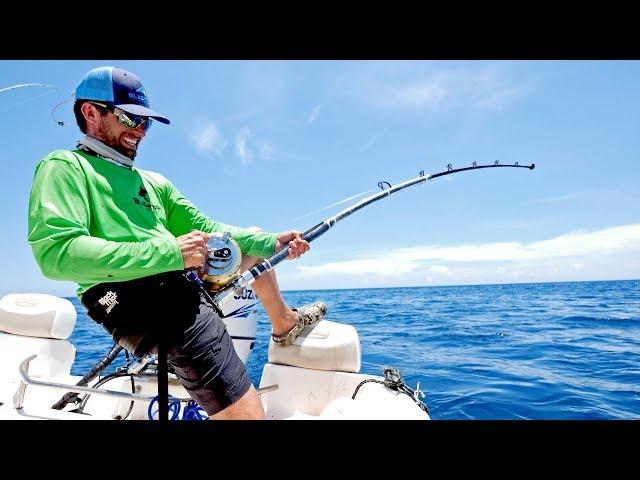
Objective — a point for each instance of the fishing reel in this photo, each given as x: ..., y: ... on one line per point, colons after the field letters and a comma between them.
x: 222, y: 263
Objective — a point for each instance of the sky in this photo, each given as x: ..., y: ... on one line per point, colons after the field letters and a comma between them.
x: 268, y: 142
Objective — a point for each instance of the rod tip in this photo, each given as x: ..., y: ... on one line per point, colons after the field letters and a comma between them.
x: 533, y: 165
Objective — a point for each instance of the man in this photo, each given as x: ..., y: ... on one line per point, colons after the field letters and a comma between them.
x: 127, y: 235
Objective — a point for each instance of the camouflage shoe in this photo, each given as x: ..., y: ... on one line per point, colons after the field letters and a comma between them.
x: 307, y: 316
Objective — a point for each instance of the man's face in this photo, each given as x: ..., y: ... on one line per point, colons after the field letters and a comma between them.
x: 119, y: 137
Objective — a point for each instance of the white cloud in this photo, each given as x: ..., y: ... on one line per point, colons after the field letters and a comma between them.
x: 434, y: 88
x: 314, y: 114
x: 510, y: 225
x: 373, y: 140
x: 570, y: 244
x: 479, y: 90
x: 558, y: 198
x: 624, y: 239
x: 208, y: 139
x: 242, y: 150
x: 442, y: 269
x: 378, y: 266
x: 266, y: 150
x: 496, y: 97
x: 249, y: 147
x: 493, y: 89
x: 429, y: 94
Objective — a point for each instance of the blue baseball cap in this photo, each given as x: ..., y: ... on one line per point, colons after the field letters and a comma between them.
x: 119, y: 88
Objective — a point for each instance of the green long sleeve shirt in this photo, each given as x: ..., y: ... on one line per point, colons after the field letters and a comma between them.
x: 91, y: 221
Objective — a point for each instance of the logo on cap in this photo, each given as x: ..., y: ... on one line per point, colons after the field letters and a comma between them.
x: 140, y: 97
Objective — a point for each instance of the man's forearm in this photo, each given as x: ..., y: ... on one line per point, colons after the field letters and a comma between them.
x: 86, y: 259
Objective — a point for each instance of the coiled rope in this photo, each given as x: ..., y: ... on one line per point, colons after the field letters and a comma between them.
x: 191, y: 411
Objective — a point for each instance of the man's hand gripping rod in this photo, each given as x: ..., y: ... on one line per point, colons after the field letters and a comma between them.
x: 222, y: 299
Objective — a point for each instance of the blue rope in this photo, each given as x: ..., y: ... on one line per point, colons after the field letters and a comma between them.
x: 191, y: 411
x: 174, y: 408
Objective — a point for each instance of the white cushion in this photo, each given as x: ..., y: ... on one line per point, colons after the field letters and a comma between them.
x: 37, y: 315
x: 324, y: 346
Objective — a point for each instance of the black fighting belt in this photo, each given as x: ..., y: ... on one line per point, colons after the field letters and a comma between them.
x: 137, y: 312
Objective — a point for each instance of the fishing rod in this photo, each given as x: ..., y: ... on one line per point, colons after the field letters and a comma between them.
x: 223, y: 299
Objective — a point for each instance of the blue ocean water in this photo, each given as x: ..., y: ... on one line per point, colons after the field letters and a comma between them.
x: 525, y: 351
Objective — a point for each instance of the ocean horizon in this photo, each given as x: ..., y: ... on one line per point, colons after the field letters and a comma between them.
x: 461, y: 285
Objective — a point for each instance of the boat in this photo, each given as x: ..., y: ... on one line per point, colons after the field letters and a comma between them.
x: 316, y: 378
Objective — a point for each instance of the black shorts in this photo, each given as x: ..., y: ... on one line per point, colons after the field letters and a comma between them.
x: 139, y: 312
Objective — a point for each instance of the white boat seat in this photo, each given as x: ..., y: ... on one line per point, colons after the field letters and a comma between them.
x: 324, y: 346
x: 37, y: 324
x: 37, y: 315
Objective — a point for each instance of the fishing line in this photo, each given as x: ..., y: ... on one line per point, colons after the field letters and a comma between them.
x: 333, y: 205
x: 23, y: 85
x: 53, y: 110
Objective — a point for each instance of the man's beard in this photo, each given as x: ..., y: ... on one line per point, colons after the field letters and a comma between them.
x: 110, y: 140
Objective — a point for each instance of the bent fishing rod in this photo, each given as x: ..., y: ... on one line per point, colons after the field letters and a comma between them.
x: 223, y: 299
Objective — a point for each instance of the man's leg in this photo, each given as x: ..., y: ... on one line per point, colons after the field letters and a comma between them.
x: 204, y: 359
x: 212, y: 373
x: 283, y: 319
x: 249, y: 407
x: 266, y: 287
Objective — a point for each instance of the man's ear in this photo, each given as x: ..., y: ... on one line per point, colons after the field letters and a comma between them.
x: 90, y: 113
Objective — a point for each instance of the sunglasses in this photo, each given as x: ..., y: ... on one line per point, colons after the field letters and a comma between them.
x: 127, y: 119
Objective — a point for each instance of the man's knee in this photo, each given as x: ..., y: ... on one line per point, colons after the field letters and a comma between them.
x: 248, y: 407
